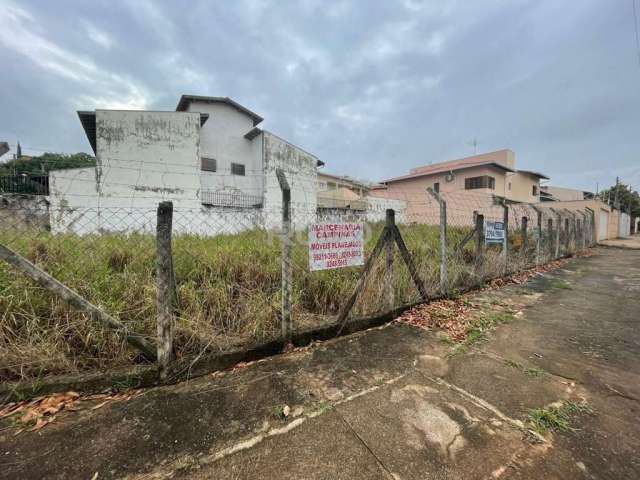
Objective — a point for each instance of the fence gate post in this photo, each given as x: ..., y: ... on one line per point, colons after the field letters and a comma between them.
x: 164, y: 279
x: 567, y: 236
x: 443, y: 241
x: 287, y: 271
x: 388, y: 274
x: 505, y: 244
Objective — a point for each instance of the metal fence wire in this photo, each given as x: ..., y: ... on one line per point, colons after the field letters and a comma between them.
x: 239, y: 272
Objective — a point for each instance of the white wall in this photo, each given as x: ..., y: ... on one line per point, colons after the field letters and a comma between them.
x: 142, y: 158
x: 377, y: 209
x: 624, y: 226
x: 222, y: 138
x: 301, y: 170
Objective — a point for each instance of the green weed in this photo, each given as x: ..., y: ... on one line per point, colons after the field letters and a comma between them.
x: 534, y: 372
x: 556, y: 418
x: 560, y: 284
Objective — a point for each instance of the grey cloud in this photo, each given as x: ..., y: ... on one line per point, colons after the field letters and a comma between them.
x: 373, y: 87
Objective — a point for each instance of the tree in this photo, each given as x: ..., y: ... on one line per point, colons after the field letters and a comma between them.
x: 45, y: 163
x: 622, y: 196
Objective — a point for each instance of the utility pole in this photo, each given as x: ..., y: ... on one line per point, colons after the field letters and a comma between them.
x: 616, y: 204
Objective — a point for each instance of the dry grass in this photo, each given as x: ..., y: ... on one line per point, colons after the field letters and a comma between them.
x: 228, y: 285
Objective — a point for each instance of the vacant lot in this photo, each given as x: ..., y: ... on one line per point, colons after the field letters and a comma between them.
x: 228, y: 291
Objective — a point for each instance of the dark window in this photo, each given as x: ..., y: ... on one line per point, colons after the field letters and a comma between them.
x: 436, y: 187
x: 208, y: 164
x: 237, y: 169
x: 484, y: 181
x: 535, y: 191
x: 509, y: 185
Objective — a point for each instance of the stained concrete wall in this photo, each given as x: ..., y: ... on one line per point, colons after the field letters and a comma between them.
x: 142, y: 158
x: 301, y: 169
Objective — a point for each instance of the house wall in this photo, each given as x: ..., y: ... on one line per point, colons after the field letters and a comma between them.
x: 613, y: 230
x: 301, y: 169
x: 597, y: 206
x: 522, y: 187
x: 565, y: 194
x: 222, y: 138
x: 420, y: 206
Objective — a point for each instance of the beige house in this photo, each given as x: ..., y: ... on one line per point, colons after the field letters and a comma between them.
x: 472, y: 181
x: 341, y: 192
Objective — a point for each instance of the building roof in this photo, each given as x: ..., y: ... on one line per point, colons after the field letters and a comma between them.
x: 535, y: 174
x: 88, y: 121
x: 185, y: 100
x: 449, y: 168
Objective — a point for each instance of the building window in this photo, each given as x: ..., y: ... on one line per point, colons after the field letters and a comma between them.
x: 509, y: 185
x: 208, y: 164
x: 484, y: 181
x: 436, y: 187
x: 331, y: 186
x: 237, y: 169
x: 534, y: 191
x: 322, y: 186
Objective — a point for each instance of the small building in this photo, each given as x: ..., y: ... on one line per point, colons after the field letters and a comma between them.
x: 208, y: 157
x: 344, y: 198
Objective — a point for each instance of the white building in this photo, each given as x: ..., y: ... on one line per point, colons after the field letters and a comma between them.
x: 208, y: 157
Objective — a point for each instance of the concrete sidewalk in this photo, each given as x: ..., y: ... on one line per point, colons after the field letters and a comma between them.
x: 394, y: 402
x: 632, y: 242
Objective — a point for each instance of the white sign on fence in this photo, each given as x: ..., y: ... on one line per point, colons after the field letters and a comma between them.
x: 335, y: 245
x: 494, y: 232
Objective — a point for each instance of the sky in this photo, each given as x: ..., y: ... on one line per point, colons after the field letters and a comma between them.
x: 373, y: 88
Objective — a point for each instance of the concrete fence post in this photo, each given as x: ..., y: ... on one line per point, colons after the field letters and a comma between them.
x: 567, y: 231
x: 389, y: 248
x: 287, y: 271
x: 549, y: 237
x: 479, y: 219
x: 505, y: 244
x: 525, y: 234
x: 538, y: 235
x: 557, y: 231
x: 443, y: 241
x: 165, y: 295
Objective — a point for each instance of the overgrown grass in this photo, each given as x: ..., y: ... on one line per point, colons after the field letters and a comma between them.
x: 228, y: 288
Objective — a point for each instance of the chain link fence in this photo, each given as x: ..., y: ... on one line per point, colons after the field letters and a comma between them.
x: 231, y: 281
